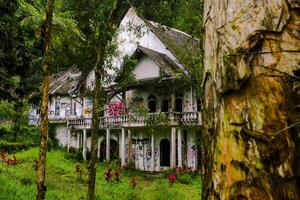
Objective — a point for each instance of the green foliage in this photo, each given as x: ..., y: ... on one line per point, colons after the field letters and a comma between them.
x: 185, y: 179
x: 6, y: 110
x: 126, y: 76
x: 74, y: 154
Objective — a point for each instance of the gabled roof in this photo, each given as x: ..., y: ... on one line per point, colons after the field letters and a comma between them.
x: 176, y: 40
x: 162, y: 60
x: 65, y: 82
x: 175, y: 47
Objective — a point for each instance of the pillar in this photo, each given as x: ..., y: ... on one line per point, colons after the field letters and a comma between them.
x: 129, y: 141
x: 68, y: 140
x: 78, y: 140
x: 107, y: 145
x: 123, y: 147
x: 84, y: 144
x: 152, y: 153
x: 173, y: 147
x: 179, y: 147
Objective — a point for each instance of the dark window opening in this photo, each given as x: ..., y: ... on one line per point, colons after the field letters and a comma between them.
x: 198, y: 105
x: 152, y: 104
x: 165, y: 105
x: 113, y: 150
x: 165, y: 153
x: 178, y: 103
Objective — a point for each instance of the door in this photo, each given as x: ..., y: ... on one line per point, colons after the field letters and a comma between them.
x: 165, y: 153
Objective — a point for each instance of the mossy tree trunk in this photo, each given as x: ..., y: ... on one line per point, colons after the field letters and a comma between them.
x: 46, y: 36
x: 250, y: 141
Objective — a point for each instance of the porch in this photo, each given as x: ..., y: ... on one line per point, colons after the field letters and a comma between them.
x: 140, y: 120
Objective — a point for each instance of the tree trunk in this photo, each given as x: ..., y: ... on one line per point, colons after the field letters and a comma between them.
x: 46, y: 36
x: 107, y: 30
x: 250, y: 140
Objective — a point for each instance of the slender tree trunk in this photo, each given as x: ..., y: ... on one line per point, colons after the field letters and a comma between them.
x: 250, y: 140
x: 97, y: 104
x: 46, y: 33
x: 107, y: 29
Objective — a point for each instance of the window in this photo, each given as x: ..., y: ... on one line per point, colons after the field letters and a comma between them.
x: 165, y: 105
x: 152, y: 103
x: 57, y: 106
x: 178, y: 103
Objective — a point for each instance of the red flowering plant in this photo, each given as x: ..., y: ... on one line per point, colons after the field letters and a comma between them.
x: 133, y: 181
x: 9, y: 161
x: 108, y: 175
x: 181, y: 170
x: 191, y: 170
x: 117, y: 174
x: 172, y: 178
x: 3, y: 155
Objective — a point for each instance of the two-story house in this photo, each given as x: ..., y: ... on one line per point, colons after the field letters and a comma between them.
x: 153, y: 119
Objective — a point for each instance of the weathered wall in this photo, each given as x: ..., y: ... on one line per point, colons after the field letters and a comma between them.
x: 251, y: 93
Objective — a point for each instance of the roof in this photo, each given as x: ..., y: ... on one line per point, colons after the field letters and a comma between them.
x: 162, y: 60
x: 66, y: 82
x: 183, y: 46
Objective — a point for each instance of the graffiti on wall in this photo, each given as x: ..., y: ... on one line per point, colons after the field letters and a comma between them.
x: 191, y: 156
x: 114, y: 109
x: 141, y: 154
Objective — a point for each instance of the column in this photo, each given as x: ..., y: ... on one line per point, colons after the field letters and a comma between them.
x: 99, y: 147
x: 84, y: 145
x: 78, y: 140
x: 152, y: 153
x: 107, y: 145
x: 68, y: 140
x: 129, y: 141
x: 179, y: 147
x: 173, y: 147
x: 123, y: 147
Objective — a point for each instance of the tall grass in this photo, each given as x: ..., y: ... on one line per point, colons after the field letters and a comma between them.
x: 18, y: 182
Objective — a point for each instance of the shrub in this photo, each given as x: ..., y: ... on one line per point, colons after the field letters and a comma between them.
x: 133, y: 181
x: 108, y: 175
x: 185, y: 179
x: 74, y: 154
x: 172, y: 178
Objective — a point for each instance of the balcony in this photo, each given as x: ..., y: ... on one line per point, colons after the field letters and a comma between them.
x: 138, y: 120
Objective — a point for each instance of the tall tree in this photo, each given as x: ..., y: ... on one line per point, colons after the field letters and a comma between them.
x: 107, y: 29
x: 250, y: 139
x: 46, y: 36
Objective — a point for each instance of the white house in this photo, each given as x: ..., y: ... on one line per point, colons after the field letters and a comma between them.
x: 153, y: 119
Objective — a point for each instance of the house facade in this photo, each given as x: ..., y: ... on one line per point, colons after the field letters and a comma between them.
x: 152, y: 119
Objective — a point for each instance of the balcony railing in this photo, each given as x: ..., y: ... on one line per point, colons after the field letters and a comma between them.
x: 138, y: 120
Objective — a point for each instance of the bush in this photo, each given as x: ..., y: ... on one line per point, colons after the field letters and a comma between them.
x: 185, y: 179
x: 74, y: 154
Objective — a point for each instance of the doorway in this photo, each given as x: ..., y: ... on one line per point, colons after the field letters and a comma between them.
x: 113, y: 150
x: 165, y: 153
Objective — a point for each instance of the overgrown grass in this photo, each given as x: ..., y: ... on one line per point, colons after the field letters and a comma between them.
x: 18, y: 182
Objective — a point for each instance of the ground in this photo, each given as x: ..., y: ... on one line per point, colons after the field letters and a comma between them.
x: 18, y: 182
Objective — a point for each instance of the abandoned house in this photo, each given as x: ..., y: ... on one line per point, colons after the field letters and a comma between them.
x: 153, y: 117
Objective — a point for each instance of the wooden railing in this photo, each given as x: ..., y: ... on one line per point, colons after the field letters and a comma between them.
x: 138, y: 120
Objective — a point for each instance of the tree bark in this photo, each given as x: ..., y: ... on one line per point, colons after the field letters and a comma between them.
x: 46, y: 35
x: 107, y: 30
x: 250, y: 141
